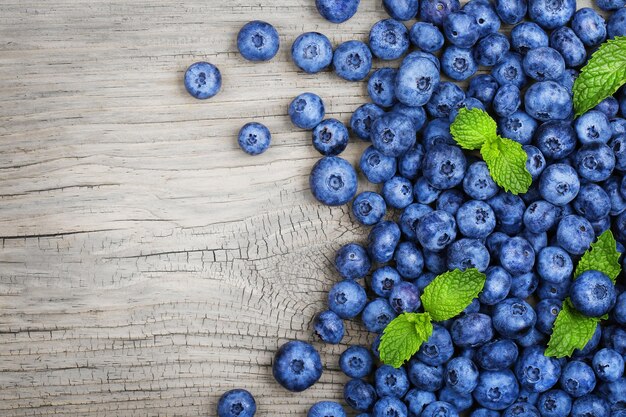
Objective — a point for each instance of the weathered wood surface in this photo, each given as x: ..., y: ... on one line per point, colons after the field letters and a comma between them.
x: 146, y: 263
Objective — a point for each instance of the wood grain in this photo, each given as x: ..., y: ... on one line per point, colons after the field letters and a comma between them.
x: 146, y: 263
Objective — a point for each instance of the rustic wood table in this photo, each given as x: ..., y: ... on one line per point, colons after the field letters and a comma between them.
x: 146, y: 263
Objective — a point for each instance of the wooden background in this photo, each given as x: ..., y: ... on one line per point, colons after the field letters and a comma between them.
x: 146, y: 263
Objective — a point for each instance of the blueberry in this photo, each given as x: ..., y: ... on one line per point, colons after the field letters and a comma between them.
x: 547, y: 100
x: 536, y: 372
x: 614, y: 392
x: 337, y: 11
x: 484, y: 87
x: 297, y: 366
x: 459, y: 402
x: 444, y: 99
x: 593, y: 127
x: 513, y: 317
x: 519, y: 127
x: 511, y: 11
x: 306, y: 111
x: 356, y: 362
x: 559, y: 184
x: 377, y: 315
x: 437, y: 132
x: 544, y: 63
x: 554, y: 403
x: 468, y: 103
x: 312, y: 52
x: 416, y: 400
x: 608, y: 365
x: 425, y: 377
x: 517, y: 256
x: 610, y: 4
x: 461, y: 375
x: 593, y: 294
x: 484, y: 412
x: 330, y: 137
x: 333, y: 181
x: 609, y: 107
x: 509, y: 211
x: 389, y: 406
x: 472, y: 330
x: 438, y: 349
x: 382, y: 241
x: 326, y: 409
x: 616, y: 25
x: 436, y: 262
x: 417, y: 78
x: 389, y: 39
x: 377, y: 167
x: 510, y: 70
x: 440, y: 408
x: 497, y: 355
x: 496, y: 390
x: 329, y: 327
x: 595, y: 162
x: 589, y: 26
x: 461, y: 29
x: 435, y: 11
x: 490, y: 49
x: 409, y: 263
x: 475, y: 219
x: 555, y: 139
x: 540, y: 216
x: 618, y: 144
x: 553, y: 290
x: 507, y: 100
x: 258, y: 41
x: 405, y: 298
x: 381, y: 85
x: 444, y: 167
x: 569, y: 46
x: 393, y: 134
x: 592, y: 202
x: 203, y: 80
x: 618, y: 202
x: 577, y: 379
x: 352, y: 261
x: 410, y: 219
x: 619, y: 311
x: 567, y: 81
x: 458, y: 63
x: 352, y: 60
x: 485, y: 15
x: 401, y: 9
x: 347, y: 299
x: 369, y: 208
x: 554, y: 265
x: 424, y: 192
x: 537, y: 241
x: 436, y: 230
x: 359, y: 395
x: 426, y: 36
x: 523, y: 286
x: 363, y: 118
x: 383, y: 280
x: 550, y: 14
x: 497, y: 286
x: 398, y: 192
x: 236, y: 403
x: 391, y: 382
x: 590, y: 406
x: 468, y: 253
x: 528, y: 36
x: 450, y: 201
x: 418, y: 116
x: 575, y: 234
x: 521, y: 409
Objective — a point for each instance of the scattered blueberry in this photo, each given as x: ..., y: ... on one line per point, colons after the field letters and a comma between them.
x: 203, y: 80
x: 254, y: 138
x: 312, y: 52
x: 236, y: 403
x: 306, y: 111
x: 258, y: 41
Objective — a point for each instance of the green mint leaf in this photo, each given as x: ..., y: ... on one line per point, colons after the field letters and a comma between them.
x: 471, y: 128
x: 451, y: 292
x: 403, y: 337
x: 571, y: 331
x: 506, y: 161
x: 602, y: 256
x: 604, y: 73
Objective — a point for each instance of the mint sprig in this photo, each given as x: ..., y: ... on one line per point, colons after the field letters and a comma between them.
x: 573, y: 330
x: 445, y: 297
x: 603, y: 75
x: 403, y: 336
x: 505, y: 158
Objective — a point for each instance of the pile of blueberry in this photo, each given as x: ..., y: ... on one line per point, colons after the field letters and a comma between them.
x: 438, y: 208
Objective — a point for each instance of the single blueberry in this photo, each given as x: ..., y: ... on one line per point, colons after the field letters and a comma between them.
x: 593, y: 294
x: 236, y: 403
x: 306, y: 110
x: 571, y: 48
x: 362, y: 119
x: 551, y: 14
x: 409, y: 263
x: 398, y: 192
x: 472, y: 330
x: 401, y: 9
x: 426, y: 36
x: 497, y: 355
x: 417, y: 79
x: 382, y: 241
x: 359, y: 394
x: 330, y: 137
x: 383, y: 280
x: 458, y: 63
x: 389, y: 39
x: 547, y: 100
x: 438, y: 349
x: 377, y: 315
x: 258, y: 41
x: 326, y: 409
x: 513, y: 317
x: 297, y: 366
x: 435, y: 11
x: 589, y: 26
x: 496, y: 390
x: 369, y: 208
x: 337, y: 11
x: 254, y: 138
x: 352, y: 261
x: 393, y: 134
x: 356, y: 362
x: 352, y: 60
x: 491, y: 49
x: 203, y: 80
x: 347, y: 299
x: 390, y: 406
x: 312, y: 52
x: 381, y: 86
x: 575, y: 234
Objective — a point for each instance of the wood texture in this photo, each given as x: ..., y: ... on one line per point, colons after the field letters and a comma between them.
x: 146, y: 263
